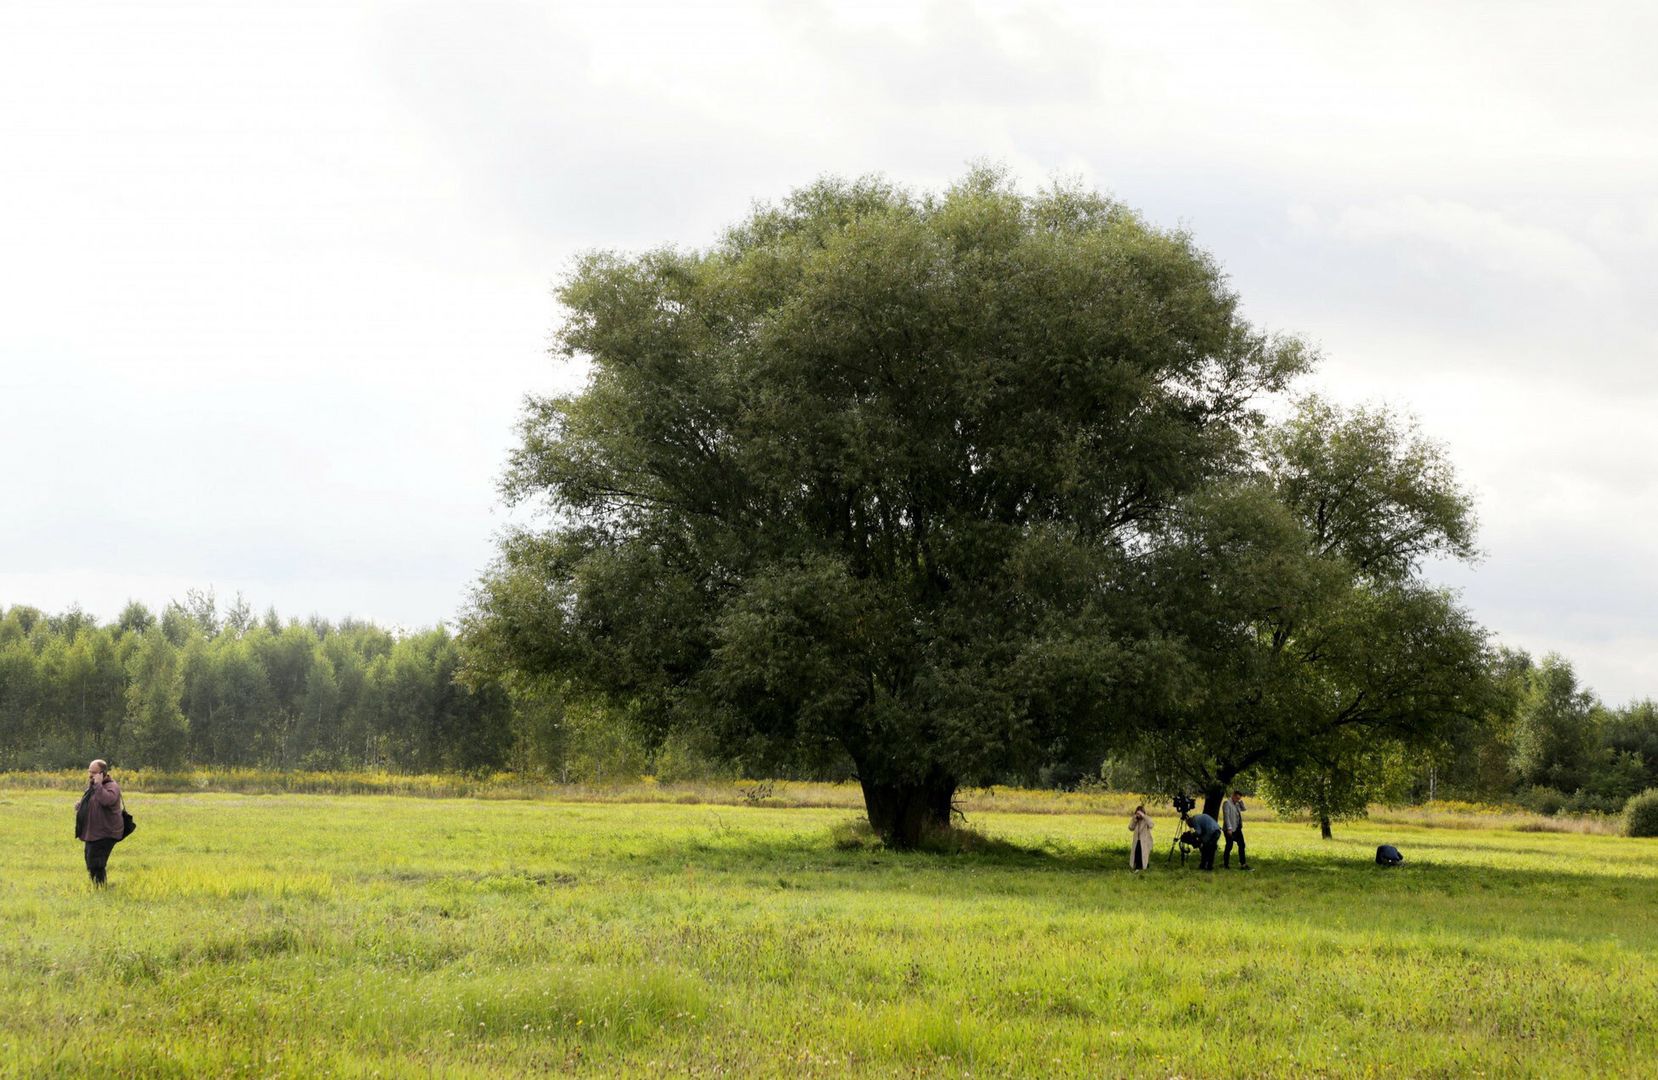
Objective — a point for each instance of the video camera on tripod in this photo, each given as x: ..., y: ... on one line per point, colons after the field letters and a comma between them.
x: 1183, y: 805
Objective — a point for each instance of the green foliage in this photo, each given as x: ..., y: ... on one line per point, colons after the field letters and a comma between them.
x: 600, y: 749
x: 1640, y: 814
x: 1542, y: 800
x: 540, y: 738
x: 1316, y: 650
x: 1632, y: 731
x: 135, y: 618
x: 1475, y: 759
x: 1334, y: 783
x: 1614, y: 775
x: 868, y: 483
x: 688, y: 755
x: 1549, y: 743
x: 1369, y: 488
x: 1555, y: 728
x: 186, y: 688
x: 156, y: 726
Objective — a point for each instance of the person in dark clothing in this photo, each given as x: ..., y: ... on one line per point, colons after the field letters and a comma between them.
x: 99, y: 818
x: 1232, y: 825
x: 1204, y: 834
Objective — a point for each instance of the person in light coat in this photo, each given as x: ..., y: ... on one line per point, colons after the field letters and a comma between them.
x: 1139, y: 853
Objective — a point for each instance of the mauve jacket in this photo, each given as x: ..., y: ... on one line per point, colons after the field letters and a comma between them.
x: 103, y: 813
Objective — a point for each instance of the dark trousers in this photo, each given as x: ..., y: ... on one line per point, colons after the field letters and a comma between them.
x: 1207, y: 853
x: 1235, y: 837
x: 97, y: 858
x: 1139, y: 857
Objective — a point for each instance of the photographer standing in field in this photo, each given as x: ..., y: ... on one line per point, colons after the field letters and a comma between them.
x: 1231, y: 812
x: 1139, y: 855
x: 98, y: 819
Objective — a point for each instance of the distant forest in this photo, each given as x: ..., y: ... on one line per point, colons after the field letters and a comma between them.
x: 197, y: 686
x: 192, y: 686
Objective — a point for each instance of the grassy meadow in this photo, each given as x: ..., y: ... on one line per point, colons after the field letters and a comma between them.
x: 362, y: 935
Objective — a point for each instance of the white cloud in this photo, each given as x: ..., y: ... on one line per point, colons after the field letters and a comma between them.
x: 1488, y: 239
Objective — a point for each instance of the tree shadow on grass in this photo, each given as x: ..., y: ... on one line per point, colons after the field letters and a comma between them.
x: 1337, y: 884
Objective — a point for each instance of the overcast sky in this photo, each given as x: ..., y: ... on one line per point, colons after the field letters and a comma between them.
x: 274, y: 277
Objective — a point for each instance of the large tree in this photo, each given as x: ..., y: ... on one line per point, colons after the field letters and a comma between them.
x: 873, y: 479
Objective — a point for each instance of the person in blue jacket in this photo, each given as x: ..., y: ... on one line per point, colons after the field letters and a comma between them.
x: 1203, y: 834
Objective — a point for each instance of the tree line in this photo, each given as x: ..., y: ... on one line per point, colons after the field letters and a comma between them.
x: 193, y: 687
x: 1544, y: 742
x: 197, y: 686
x: 1551, y: 744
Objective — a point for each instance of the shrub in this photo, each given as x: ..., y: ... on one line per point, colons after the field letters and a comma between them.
x: 1583, y: 802
x: 1640, y: 814
x: 854, y: 834
x: 684, y: 757
x: 1542, y: 800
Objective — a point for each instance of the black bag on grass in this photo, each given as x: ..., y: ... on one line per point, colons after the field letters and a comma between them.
x: 1388, y: 855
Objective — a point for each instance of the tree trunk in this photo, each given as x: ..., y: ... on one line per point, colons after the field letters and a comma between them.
x: 902, y: 812
x: 1213, y: 796
x: 1324, y: 826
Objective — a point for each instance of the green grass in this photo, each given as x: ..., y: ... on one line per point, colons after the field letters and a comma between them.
x: 744, y: 792
x: 304, y: 935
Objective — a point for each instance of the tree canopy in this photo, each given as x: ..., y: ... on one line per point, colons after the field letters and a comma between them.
x: 878, y: 477
x: 1297, y: 585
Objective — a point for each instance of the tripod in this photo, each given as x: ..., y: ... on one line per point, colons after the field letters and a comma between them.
x: 1179, y: 842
